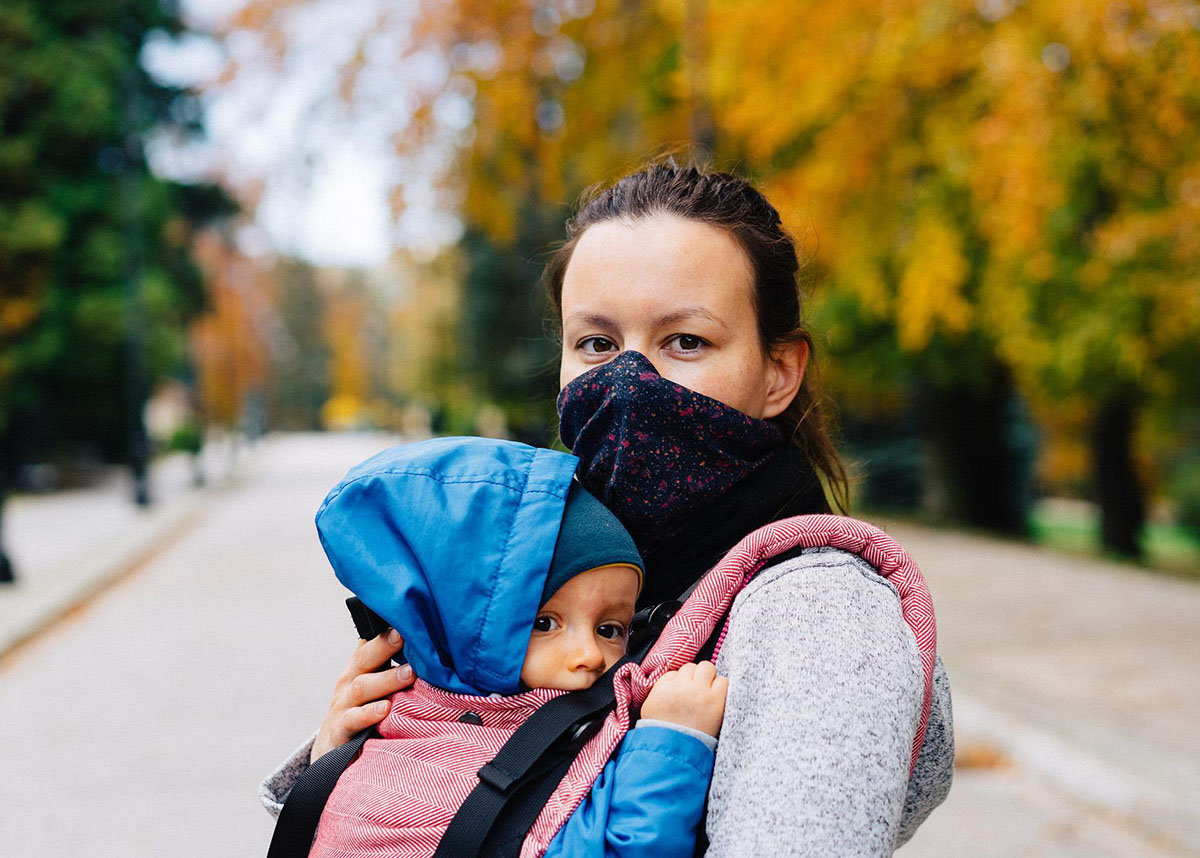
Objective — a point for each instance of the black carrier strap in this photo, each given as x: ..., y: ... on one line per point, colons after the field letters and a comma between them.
x: 297, y: 823
x: 522, y: 771
x: 509, y: 831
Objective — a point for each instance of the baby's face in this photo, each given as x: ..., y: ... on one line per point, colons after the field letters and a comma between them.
x: 582, y: 631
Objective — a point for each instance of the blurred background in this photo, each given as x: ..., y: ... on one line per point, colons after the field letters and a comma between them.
x: 229, y: 228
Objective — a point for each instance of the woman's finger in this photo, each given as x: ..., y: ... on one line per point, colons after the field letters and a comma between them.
x: 361, y: 717
x: 356, y: 696
x: 372, y: 686
x: 373, y: 654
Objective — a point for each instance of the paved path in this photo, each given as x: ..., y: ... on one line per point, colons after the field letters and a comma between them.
x: 68, y: 545
x: 1075, y: 684
x: 141, y: 724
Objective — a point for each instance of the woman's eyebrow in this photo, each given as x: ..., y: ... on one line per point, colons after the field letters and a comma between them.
x: 591, y: 320
x: 596, y: 320
x: 685, y: 313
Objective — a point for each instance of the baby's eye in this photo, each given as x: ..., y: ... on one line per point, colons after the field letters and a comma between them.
x: 610, y: 631
x: 596, y: 345
x: 688, y: 342
x: 545, y: 623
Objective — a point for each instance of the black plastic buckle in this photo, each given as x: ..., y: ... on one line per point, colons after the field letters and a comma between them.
x: 583, y: 733
x: 647, y: 625
x: 662, y: 613
x: 497, y: 778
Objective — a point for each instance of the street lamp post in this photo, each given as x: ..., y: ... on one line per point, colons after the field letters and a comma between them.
x: 7, y: 574
x: 136, y: 381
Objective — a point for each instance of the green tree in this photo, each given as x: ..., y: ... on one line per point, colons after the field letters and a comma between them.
x: 302, y: 363
x: 80, y: 216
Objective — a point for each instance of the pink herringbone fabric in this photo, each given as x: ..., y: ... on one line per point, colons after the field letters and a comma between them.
x: 687, y: 631
x: 397, y: 799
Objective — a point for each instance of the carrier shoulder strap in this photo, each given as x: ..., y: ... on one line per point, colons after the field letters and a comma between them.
x: 523, y: 809
x: 297, y: 823
x: 301, y: 813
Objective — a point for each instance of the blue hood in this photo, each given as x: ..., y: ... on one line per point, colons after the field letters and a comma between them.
x: 450, y: 540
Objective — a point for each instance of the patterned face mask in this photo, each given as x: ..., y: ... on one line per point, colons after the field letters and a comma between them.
x: 653, y: 451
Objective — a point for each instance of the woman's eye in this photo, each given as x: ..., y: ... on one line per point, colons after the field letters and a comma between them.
x: 597, y: 345
x: 545, y: 624
x: 688, y: 342
x: 610, y: 631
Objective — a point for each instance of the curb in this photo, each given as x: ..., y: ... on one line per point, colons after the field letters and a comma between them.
x: 36, y: 611
x: 27, y: 613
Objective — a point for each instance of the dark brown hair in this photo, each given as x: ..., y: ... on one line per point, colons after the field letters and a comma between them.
x: 730, y: 203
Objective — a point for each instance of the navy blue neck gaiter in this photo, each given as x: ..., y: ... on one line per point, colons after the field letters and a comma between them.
x: 653, y: 451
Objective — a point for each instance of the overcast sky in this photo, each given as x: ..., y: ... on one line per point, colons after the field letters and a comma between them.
x: 325, y: 171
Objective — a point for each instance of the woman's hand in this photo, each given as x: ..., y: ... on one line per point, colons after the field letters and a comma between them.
x: 693, y: 696
x: 357, y: 695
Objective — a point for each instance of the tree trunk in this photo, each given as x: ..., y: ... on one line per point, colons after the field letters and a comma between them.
x: 1122, y: 507
x: 978, y: 474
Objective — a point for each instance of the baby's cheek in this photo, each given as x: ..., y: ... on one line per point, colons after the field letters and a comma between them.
x: 531, y: 670
x: 614, y: 651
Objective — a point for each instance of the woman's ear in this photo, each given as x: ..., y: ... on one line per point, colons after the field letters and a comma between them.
x: 785, y: 373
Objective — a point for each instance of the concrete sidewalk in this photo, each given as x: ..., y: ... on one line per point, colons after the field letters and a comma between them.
x: 1082, y: 670
x: 67, y: 546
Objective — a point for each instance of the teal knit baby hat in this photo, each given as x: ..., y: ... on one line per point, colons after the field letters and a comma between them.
x: 590, y: 537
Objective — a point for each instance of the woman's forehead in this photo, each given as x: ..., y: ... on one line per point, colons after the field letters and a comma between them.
x: 662, y: 264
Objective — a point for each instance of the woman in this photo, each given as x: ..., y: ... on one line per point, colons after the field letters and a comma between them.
x: 686, y: 397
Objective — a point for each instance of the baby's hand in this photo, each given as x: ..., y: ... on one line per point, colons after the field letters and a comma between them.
x: 693, y: 696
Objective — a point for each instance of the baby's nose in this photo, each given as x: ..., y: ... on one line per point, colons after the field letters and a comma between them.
x: 588, y: 656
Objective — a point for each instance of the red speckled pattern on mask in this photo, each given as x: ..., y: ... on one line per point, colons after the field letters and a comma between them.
x: 654, y: 451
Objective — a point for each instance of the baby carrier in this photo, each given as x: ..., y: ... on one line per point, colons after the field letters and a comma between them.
x: 506, y: 772
x: 545, y: 767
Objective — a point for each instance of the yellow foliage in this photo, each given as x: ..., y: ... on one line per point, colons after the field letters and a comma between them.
x: 930, y: 292
x: 345, y: 412
x: 228, y: 347
x: 1044, y: 151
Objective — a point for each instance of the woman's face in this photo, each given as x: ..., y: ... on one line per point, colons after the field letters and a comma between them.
x: 680, y: 292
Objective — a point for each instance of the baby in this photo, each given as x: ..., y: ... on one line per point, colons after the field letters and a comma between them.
x: 510, y: 584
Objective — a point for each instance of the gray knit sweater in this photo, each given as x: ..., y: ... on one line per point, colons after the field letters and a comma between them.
x: 824, y: 698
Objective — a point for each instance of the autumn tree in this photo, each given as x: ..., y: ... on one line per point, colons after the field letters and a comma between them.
x: 233, y: 340
x: 1000, y: 189
x: 532, y: 103
x: 1000, y: 196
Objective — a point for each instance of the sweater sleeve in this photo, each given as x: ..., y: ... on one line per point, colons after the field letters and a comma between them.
x: 277, y: 786
x: 825, y: 696
x: 648, y: 802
